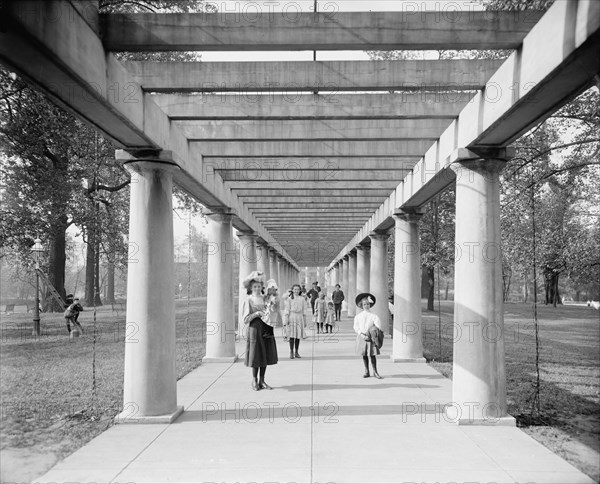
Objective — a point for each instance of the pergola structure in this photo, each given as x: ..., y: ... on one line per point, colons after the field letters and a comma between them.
x: 312, y: 162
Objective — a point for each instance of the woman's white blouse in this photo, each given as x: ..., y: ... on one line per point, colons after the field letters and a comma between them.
x: 364, y: 320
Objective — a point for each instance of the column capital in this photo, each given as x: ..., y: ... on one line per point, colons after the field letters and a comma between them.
x: 410, y: 215
x: 137, y: 161
x: 375, y: 235
x: 484, y: 160
x: 483, y: 153
x: 219, y: 214
x: 360, y: 247
x: 249, y: 235
x: 157, y: 156
x: 345, y: 258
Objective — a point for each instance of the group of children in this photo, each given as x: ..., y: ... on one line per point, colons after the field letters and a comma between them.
x: 324, y: 314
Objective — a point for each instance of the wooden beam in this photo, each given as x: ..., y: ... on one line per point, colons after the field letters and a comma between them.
x: 436, y: 104
x: 251, y: 28
x: 295, y: 76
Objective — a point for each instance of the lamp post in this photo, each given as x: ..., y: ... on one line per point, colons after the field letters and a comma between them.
x: 36, y: 252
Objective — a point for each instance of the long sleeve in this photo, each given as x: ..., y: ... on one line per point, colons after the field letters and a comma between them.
x: 245, y: 317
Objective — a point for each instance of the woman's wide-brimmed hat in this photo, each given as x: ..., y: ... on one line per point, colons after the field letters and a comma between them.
x: 255, y: 276
x: 363, y: 295
x: 272, y: 283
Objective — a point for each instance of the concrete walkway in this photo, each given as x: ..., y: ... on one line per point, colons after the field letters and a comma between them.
x: 322, y: 423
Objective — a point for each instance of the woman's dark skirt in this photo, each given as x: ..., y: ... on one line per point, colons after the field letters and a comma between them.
x: 261, y: 349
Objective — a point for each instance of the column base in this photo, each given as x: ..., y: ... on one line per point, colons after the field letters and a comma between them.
x: 408, y: 360
x: 220, y: 359
x: 125, y: 417
x: 450, y: 414
x: 508, y: 421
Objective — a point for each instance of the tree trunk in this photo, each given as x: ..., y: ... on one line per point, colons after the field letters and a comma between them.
x: 98, y: 301
x: 110, y: 283
x: 446, y: 294
x: 90, y: 259
x: 56, y: 261
x: 92, y: 265
x: 552, y: 293
x: 431, y: 288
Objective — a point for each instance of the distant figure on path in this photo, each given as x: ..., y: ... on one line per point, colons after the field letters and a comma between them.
x: 320, y: 312
x: 330, y: 318
x: 313, y: 294
x: 337, y: 297
x: 261, y: 349
x: 369, y: 334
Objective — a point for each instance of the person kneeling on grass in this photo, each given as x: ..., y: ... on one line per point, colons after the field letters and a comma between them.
x: 369, y: 334
x: 72, y: 313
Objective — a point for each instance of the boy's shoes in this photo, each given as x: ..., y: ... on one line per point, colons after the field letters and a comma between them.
x: 297, y: 355
x: 291, y: 355
x: 366, y: 375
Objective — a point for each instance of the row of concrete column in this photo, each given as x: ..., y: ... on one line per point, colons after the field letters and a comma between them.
x: 150, y: 377
x: 479, y: 381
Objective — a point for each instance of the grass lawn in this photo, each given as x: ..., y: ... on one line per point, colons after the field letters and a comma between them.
x: 569, y: 371
x: 48, y: 404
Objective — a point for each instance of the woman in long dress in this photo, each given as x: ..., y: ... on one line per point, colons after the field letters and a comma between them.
x: 261, y: 349
x: 363, y: 326
x: 294, y: 320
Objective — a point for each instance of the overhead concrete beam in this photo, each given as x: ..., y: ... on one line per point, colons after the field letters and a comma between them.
x: 357, y: 186
x: 258, y: 193
x: 320, y: 149
x: 296, y: 77
x: 388, y: 129
x: 298, y: 175
x: 323, y: 208
x: 436, y: 104
x: 311, y: 164
x: 251, y: 28
x: 283, y: 204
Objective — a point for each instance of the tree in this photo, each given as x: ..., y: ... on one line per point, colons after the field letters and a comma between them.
x: 54, y: 176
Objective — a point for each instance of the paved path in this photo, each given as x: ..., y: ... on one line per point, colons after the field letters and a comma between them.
x: 323, y: 423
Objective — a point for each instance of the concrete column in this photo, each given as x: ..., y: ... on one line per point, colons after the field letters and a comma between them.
x: 346, y: 302
x: 479, y: 379
x: 286, y: 275
x: 334, y: 275
x: 262, y: 260
x: 280, y: 262
x: 306, y: 283
x: 150, y: 376
x: 351, y: 284
x: 220, y: 316
x: 408, y: 335
x: 273, y: 264
x: 248, y: 264
x: 363, y: 268
x: 379, y: 278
